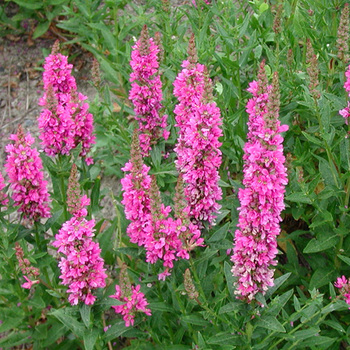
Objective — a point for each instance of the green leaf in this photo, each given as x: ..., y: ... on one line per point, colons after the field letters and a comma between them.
x: 53, y: 293
x: 313, y: 139
x: 277, y: 283
x: 57, y: 330
x: 31, y: 5
x: 318, y: 245
x: 229, y: 278
x: 194, y: 320
x: 220, y: 234
x: 328, y: 172
x: 116, y: 331
x: 263, y: 7
x: 319, y: 340
x: 41, y: 29
x: 160, y: 306
x: 306, y: 333
x: 299, y: 197
x: 90, y: 337
x: 15, y: 338
x: 270, y: 323
x: 321, y: 277
x: 56, y: 2
x: 85, y: 312
x: 335, y: 325
x: 344, y: 258
x: 225, y: 338
x: 70, y: 322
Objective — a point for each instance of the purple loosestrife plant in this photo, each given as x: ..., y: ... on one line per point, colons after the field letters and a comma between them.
x: 24, y: 169
x: 262, y: 198
x: 135, y: 185
x: 81, y: 264
x: 65, y: 121
x: 151, y: 226
x: 146, y: 91
x: 198, y: 148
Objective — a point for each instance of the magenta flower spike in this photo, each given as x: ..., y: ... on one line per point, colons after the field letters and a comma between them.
x: 262, y: 198
x: 198, y: 147
x: 151, y: 226
x: 24, y: 169
x: 135, y: 186
x: 345, y: 113
x: 81, y: 265
x: 146, y: 92
x: 65, y: 121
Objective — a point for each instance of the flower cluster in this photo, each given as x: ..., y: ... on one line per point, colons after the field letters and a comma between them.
x: 346, y: 111
x: 65, y: 121
x: 26, y: 268
x: 136, y: 185
x: 3, y: 196
x: 198, y: 148
x: 163, y: 237
x: 146, y: 91
x: 263, y: 194
x: 81, y: 266
x: 134, y: 300
x: 24, y: 169
x: 344, y: 285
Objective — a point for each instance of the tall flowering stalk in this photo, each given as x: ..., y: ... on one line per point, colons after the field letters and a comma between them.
x: 81, y: 264
x: 261, y: 200
x: 65, y: 121
x: 146, y: 91
x: 198, y: 148
x: 24, y: 169
x: 343, y: 35
x: 134, y: 300
x: 312, y: 70
x: 135, y: 186
x: 151, y: 226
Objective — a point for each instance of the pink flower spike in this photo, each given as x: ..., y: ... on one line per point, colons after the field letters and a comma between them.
x: 262, y: 198
x: 198, y: 148
x: 64, y: 121
x: 146, y: 92
x: 24, y: 169
x: 81, y: 264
